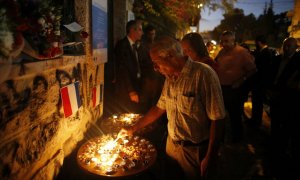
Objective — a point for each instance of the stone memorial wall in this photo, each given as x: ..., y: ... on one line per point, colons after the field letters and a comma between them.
x: 34, y: 133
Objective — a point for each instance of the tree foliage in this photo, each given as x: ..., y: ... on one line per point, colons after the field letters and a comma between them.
x: 273, y: 26
x: 173, y: 15
x: 237, y: 22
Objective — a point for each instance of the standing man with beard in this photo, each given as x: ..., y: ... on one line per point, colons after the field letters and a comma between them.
x: 235, y: 65
x: 128, y: 69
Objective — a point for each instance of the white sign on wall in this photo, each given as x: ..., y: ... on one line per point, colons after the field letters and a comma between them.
x: 99, y: 31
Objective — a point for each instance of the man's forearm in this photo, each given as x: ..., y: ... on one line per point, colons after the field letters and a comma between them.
x: 216, y: 136
x: 151, y: 116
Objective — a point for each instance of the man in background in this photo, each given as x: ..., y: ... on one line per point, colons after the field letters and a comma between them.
x: 235, y: 66
x: 152, y: 81
x: 261, y: 79
x: 128, y: 69
x: 285, y: 113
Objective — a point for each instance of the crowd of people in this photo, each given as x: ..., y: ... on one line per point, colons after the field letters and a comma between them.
x: 200, y: 92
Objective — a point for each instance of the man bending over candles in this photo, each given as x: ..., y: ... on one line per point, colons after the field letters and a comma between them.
x: 193, y: 101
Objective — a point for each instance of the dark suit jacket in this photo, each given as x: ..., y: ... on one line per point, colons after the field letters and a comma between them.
x: 286, y: 85
x: 290, y: 73
x: 126, y: 71
x: 263, y: 61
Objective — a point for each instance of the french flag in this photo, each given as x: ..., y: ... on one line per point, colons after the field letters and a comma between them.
x: 70, y: 98
x: 97, y: 95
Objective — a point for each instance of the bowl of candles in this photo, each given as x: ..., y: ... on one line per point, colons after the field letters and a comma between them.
x: 108, y: 155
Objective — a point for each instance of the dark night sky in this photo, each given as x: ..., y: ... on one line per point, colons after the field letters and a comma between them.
x: 212, y: 19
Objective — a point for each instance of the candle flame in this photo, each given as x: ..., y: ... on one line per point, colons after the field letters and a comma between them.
x: 110, y: 145
x: 127, y: 119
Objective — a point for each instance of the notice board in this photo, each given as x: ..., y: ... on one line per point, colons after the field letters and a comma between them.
x: 99, y: 30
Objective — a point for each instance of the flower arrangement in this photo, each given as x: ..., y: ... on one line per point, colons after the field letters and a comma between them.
x: 43, y: 27
x: 35, y: 21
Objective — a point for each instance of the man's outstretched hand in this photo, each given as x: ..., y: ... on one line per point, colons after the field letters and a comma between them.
x: 125, y: 132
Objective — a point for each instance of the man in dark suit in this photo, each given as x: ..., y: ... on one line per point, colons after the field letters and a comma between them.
x: 128, y: 69
x: 261, y: 80
x: 285, y: 114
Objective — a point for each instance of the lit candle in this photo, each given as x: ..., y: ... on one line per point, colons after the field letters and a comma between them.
x: 104, y: 157
x: 126, y: 119
x: 95, y: 160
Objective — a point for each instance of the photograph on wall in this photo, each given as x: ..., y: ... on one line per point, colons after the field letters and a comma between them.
x: 99, y: 28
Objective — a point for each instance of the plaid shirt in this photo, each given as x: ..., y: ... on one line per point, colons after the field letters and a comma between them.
x: 191, y: 101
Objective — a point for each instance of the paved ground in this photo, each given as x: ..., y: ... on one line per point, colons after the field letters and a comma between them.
x: 242, y: 161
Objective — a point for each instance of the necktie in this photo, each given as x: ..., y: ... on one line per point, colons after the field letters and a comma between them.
x: 134, y: 48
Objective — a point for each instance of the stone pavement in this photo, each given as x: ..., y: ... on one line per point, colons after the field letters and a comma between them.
x: 246, y: 160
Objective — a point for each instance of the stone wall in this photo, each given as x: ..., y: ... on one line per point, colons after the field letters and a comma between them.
x: 35, y: 137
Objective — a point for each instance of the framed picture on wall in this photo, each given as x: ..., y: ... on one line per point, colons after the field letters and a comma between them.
x: 99, y: 30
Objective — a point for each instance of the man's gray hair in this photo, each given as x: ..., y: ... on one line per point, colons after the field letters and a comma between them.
x: 164, y: 45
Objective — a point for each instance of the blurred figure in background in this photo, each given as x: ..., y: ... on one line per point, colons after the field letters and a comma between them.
x: 152, y: 81
x: 285, y: 113
x: 261, y: 79
x: 194, y: 47
x: 212, y: 49
x: 235, y: 65
x: 247, y: 85
x: 128, y: 69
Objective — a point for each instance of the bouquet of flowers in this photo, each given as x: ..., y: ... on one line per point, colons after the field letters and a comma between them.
x: 43, y: 28
x: 38, y: 22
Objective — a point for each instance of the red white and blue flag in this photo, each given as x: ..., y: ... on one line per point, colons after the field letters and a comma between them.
x: 97, y: 95
x: 70, y: 98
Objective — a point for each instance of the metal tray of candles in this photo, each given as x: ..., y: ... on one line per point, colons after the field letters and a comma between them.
x: 115, y: 123
x: 121, y: 157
